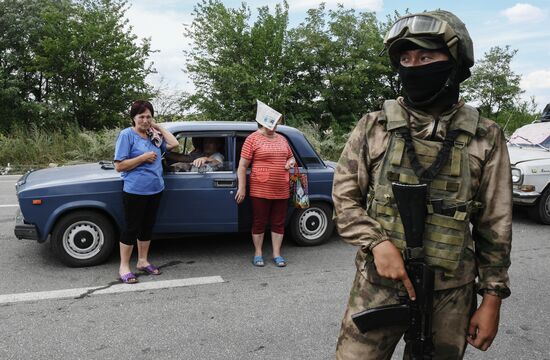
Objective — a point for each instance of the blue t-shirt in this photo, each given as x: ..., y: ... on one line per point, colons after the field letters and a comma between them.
x: 145, y: 179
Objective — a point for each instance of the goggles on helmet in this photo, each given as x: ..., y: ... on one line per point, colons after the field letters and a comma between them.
x: 419, y: 25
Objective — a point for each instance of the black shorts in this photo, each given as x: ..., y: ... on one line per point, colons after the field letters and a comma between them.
x: 140, y: 213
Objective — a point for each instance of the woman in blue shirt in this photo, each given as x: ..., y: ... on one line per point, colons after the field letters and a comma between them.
x: 138, y: 155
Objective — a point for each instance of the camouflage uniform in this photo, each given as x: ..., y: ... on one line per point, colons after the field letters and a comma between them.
x: 488, y: 257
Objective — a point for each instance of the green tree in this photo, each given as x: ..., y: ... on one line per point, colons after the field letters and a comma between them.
x: 326, y: 70
x: 523, y: 112
x: 69, y: 62
x: 20, y: 25
x: 233, y: 62
x: 493, y: 83
x: 336, y: 72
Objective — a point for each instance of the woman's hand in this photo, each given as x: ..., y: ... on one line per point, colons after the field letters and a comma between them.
x: 241, y: 193
x: 290, y: 163
x: 241, y: 178
x: 154, y: 125
x: 171, y: 141
x: 149, y: 157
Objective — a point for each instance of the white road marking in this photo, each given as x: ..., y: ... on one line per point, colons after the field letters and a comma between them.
x: 114, y: 289
x: 10, y: 205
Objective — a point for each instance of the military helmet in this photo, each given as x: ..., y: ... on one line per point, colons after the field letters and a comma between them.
x: 423, y: 28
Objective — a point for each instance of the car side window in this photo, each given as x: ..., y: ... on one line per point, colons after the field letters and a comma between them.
x: 199, y: 154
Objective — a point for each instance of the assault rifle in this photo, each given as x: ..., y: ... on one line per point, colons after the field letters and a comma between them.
x: 417, y: 314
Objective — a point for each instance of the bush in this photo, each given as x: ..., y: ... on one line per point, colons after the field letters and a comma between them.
x: 36, y: 148
x: 329, y: 142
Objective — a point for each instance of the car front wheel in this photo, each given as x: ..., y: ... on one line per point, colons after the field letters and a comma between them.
x: 83, y: 238
x: 541, y: 210
x: 312, y: 226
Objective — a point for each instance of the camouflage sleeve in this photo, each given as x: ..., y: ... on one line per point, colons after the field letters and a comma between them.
x: 492, y: 229
x: 350, y: 190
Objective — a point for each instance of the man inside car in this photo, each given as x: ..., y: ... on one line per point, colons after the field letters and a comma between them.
x: 206, y: 156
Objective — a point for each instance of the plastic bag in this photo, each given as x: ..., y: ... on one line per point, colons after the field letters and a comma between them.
x: 298, y: 189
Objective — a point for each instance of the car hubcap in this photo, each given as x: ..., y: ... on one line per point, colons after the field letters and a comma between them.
x: 83, y: 240
x: 313, y: 223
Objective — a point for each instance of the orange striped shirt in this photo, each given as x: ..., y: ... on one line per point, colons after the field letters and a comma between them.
x: 268, y: 179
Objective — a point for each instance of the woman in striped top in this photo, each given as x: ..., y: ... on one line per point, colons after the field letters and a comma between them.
x: 271, y: 159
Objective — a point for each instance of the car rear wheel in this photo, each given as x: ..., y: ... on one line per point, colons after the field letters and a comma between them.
x: 312, y: 226
x: 83, y: 238
x: 541, y: 210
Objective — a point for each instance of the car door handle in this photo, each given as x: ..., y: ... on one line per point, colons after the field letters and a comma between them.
x: 225, y: 183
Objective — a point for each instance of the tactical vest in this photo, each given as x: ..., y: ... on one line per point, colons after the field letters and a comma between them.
x: 449, y: 203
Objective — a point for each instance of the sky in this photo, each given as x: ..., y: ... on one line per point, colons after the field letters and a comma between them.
x: 490, y: 23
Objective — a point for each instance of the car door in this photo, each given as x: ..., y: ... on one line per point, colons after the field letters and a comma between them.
x: 245, y: 208
x: 200, y: 201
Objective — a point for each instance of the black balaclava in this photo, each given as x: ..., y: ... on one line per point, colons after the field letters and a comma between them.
x: 430, y: 85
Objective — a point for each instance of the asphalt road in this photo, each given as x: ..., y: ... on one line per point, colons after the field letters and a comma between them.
x: 256, y: 313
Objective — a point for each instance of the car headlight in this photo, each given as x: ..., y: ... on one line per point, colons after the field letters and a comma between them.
x: 516, y: 176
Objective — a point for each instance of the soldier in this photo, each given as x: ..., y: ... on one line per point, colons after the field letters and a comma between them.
x: 432, y: 53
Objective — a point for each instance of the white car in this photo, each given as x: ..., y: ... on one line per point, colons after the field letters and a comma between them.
x: 529, y: 148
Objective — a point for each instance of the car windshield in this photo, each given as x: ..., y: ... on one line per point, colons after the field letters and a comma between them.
x: 534, y: 135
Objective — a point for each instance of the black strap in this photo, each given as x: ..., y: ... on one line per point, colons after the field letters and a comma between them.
x: 427, y: 175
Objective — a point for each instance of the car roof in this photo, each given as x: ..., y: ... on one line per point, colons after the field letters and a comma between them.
x: 247, y: 126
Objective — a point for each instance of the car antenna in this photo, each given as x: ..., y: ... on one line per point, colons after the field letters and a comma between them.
x: 506, y: 124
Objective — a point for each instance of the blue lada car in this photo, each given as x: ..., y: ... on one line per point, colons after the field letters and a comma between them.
x: 79, y: 207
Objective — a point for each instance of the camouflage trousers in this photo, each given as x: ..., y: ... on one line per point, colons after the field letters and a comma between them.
x: 452, y: 311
